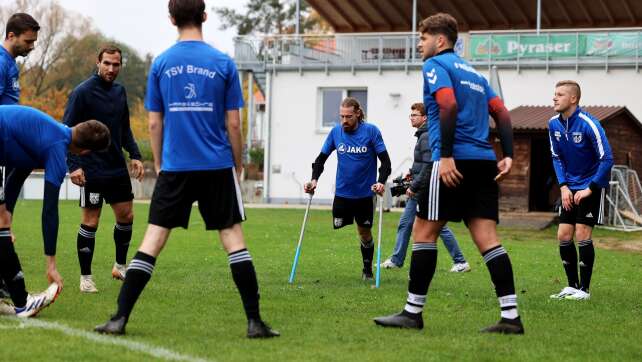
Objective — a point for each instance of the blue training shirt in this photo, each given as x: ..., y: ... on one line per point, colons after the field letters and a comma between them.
x: 356, y: 159
x: 581, y: 153
x: 193, y: 85
x: 31, y: 139
x: 472, y: 92
x: 9, y: 78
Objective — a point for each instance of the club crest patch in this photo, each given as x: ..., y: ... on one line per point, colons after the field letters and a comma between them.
x: 577, y: 137
x: 94, y: 197
x: 558, y: 135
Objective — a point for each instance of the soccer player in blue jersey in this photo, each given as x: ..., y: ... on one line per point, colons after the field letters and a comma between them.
x: 193, y: 99
x: 31, y: 139
x: 104, y: 175
x: 582, y: 160
x: 20, y: 37
x: 358, y: 144
x: 463, y: 183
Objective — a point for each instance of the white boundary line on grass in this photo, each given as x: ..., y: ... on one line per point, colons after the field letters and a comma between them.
x: 154, y: 351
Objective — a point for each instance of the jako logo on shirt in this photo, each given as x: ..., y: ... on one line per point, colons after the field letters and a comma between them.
x: 343, y: 148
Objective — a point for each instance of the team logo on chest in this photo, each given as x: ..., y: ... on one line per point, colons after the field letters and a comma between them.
x: 190, y: 91
x: 577, y: 137
x: 558, y: 135
x: 343, y: 148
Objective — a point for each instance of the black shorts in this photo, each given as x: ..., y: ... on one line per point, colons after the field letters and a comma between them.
x: 345, y: 211
x: 217, y: 192
x: 589, y: 212
x: 113, y: 190
x: 477, y: 196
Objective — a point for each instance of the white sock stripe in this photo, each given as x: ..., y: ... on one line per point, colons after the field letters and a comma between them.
x: 416, y: 299
x: 585, y: 243
x: 566, y: 243
x: 508, y: 300
x: 239, y: 257
x: 126, y: 227
x: 87, y: 234
x: 424, y: 246
x: 240, y: 260
x: 141, y: 265
x: 367, y: 244
x: 5, y: 233
x: 413, y: 309
x: 493, y: 254
x: 509, y: 313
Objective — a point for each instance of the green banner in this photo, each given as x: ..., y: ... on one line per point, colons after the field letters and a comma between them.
x: 525, y: 46
x: 614, y: 44
x: 554, y: 46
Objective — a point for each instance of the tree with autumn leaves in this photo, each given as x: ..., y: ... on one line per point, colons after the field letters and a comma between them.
x: 65, y: 55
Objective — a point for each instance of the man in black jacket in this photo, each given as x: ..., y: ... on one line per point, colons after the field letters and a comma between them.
x: 420, y: 175
x: 104, y: 175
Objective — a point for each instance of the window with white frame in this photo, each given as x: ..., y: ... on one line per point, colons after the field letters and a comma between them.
x: 330, y: 101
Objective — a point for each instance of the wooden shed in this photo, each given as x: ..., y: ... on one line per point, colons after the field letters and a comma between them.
x: 532, y: 185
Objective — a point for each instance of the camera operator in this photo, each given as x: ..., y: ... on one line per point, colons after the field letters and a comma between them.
x: 415, y: 183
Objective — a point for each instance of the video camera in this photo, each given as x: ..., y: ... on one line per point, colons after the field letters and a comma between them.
x: 400, y: 185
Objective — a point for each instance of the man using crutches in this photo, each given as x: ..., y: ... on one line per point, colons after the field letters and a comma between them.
x: 358, y: 146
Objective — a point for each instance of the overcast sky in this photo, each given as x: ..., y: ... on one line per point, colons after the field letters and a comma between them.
x: 144, y: 24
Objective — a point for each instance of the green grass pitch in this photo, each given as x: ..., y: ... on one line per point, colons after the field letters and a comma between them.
x: 191, y: 307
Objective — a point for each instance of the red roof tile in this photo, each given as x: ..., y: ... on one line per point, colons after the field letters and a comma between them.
x: 535, y: 118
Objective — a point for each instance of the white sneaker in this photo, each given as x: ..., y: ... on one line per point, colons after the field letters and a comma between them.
x: 579, y: 295
x: 388, y: 264
x: 87, y: 284
x: 564, y: 293
x: 460, y: 268
x: 6, y: 308
x: 37, y: 302
x: 118, y: 271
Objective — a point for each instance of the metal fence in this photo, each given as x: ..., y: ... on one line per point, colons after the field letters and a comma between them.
x: 381, y: 50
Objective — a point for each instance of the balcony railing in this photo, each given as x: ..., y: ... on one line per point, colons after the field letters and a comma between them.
x: 394, y: 50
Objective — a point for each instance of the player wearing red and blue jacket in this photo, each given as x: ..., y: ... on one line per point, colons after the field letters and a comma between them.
x: 463, y: 183
x: 582, y: 160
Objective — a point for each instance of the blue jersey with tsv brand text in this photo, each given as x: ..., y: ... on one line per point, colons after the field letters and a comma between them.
x: 31, y: 139
x: 581, y: 153
x: 193, y: 85
x: 9, y: 78
x: 356, y: 158
x: 472, y: 93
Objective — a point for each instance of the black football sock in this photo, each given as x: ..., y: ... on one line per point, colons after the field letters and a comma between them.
x: 587, y: 257
x: 138, y: 274
x: 122, y: 237
x: 86, y: 243
x: 569, y: 261
x: 367, y: 253
x: 244, y: 276
x: 422, y: 268
x: 10, y: 270
x: 501, y: 273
